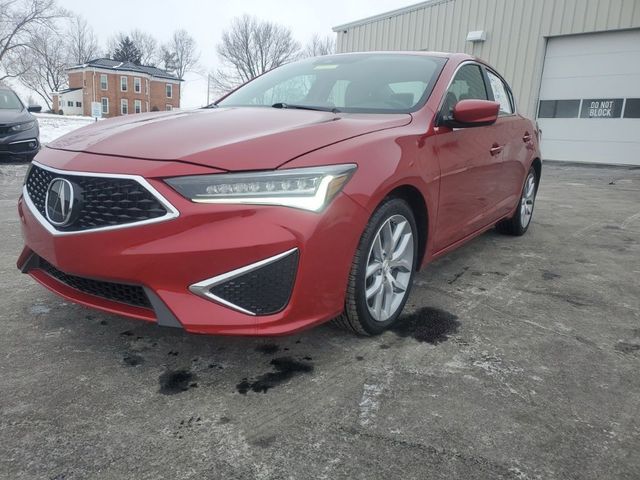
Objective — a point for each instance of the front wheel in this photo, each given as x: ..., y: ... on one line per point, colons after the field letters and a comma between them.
x: 519, y: 223
x: 382, y: 270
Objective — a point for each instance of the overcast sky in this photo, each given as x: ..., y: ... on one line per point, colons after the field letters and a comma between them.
x: 206, y: 20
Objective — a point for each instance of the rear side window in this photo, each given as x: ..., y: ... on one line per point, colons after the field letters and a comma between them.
x: 500, y: 94
x: 468, y: 84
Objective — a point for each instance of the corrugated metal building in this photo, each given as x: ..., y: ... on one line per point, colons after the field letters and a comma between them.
x: 573, y: 64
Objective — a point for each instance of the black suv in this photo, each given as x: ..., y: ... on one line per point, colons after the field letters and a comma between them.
x: 19, y: 130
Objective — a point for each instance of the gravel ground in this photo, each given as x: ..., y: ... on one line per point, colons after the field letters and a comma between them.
x: 517, y: 358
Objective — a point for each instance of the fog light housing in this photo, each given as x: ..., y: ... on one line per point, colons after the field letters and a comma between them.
x: 262, y: 288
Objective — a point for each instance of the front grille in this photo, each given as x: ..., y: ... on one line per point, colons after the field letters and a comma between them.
x: 103, y: 201
x: 116, y: 292
x: 263, y: 291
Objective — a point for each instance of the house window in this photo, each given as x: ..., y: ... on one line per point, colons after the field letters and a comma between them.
x: 168, y: 107
x: 124, y: 106
x: 123, y: 84
x: 146, y: 88
x: 103, y: 82
x: 137, y: 106
x: 105, y: 105
x: 169, y: 90
x: 79, y: 104
x: 137, y: 85
x: 69, y: 103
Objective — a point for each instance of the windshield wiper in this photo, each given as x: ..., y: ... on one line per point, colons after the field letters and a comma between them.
x: 305, y: 107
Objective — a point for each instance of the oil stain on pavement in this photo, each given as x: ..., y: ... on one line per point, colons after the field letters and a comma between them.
x: 285, y: 369
x: 176, y: 381
x: 430, y: 325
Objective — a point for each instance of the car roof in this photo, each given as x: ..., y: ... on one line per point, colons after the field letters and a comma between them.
x: 426, y: 53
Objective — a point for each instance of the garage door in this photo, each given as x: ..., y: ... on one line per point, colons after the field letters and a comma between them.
x: 589, y: 108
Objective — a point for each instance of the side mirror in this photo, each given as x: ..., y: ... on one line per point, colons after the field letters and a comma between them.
x: 34, y: 108
x: 473, y: 113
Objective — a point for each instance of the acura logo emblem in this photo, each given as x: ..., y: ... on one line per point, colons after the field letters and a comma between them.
x: 59, y: 202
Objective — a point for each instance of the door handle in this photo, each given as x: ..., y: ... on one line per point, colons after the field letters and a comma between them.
x: 495, y: 149
x: 527, y: 137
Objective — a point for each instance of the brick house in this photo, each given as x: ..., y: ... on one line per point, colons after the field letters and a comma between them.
x: 120, y: 87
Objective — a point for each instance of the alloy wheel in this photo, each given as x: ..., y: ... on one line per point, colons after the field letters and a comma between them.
x: 389, y: 267
x: 527, y: 200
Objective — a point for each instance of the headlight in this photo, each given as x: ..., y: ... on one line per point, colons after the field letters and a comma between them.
x: 306, y: 188
x: 21, y: 127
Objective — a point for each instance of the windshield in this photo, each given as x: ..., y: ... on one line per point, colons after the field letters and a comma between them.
x: 358, y: 83
x: 9, y: 101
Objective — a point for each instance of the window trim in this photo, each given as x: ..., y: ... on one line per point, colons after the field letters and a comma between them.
x: 126, y: 83
x: 165, y: 89
x: 124, y: 101
x: 102, y: 102
x: 136, y: 103
x: 146, y: 86
x: 139, y: 90
x: 106, y: 82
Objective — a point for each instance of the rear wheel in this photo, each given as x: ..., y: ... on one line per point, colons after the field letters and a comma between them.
x: 519, y: 223
x: 382, y: 270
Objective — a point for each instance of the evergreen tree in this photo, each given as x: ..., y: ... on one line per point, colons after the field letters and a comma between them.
x: 127, y: 51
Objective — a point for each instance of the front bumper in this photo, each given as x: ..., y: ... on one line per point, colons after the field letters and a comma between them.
x: 21, y: 144
x: 169, y: 259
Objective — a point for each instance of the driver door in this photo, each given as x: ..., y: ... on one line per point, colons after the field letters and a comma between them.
x: 470, y: 165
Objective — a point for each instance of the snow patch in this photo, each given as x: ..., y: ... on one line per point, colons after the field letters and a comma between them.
x: 55, y: 126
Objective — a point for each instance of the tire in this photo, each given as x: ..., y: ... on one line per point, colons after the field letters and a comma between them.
x: 373, y: 316
x: 519, y: 223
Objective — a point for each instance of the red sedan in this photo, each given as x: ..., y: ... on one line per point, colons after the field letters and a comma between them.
x: 311, y: 193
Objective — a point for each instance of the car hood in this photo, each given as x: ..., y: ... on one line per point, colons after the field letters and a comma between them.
x: 9, y: 117
x: 234, y: 138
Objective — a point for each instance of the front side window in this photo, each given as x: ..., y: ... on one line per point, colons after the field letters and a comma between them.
x: 169, y: 90
x: 124, y: 84
x: 105, y: 105
x: 468, y: 84
x: 146, y: 86
x: 69, y: 103
x: 168, y: 107
x: 137, y: 85
x: 124, y: 106
x: 137, y: 106
x: 500, y: 93
x: 79, y: 104
x: 104, y: 85
x: 355, y: 83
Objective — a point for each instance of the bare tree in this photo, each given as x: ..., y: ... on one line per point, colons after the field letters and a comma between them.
x: 82, y: 44
x: 318, y: 46
x: 250, y: 48
x: 144, y: 42
x: 19, y: 19
x: 44, y: 65
x: 180, y: 54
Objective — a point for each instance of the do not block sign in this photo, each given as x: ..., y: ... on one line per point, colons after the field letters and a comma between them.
x: 601, y: 108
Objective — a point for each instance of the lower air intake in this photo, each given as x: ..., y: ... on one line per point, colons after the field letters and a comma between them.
x: 260, y: 291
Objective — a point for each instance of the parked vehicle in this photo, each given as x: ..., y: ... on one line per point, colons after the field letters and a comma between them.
x: 311, y: 193
x: 19, y: 131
